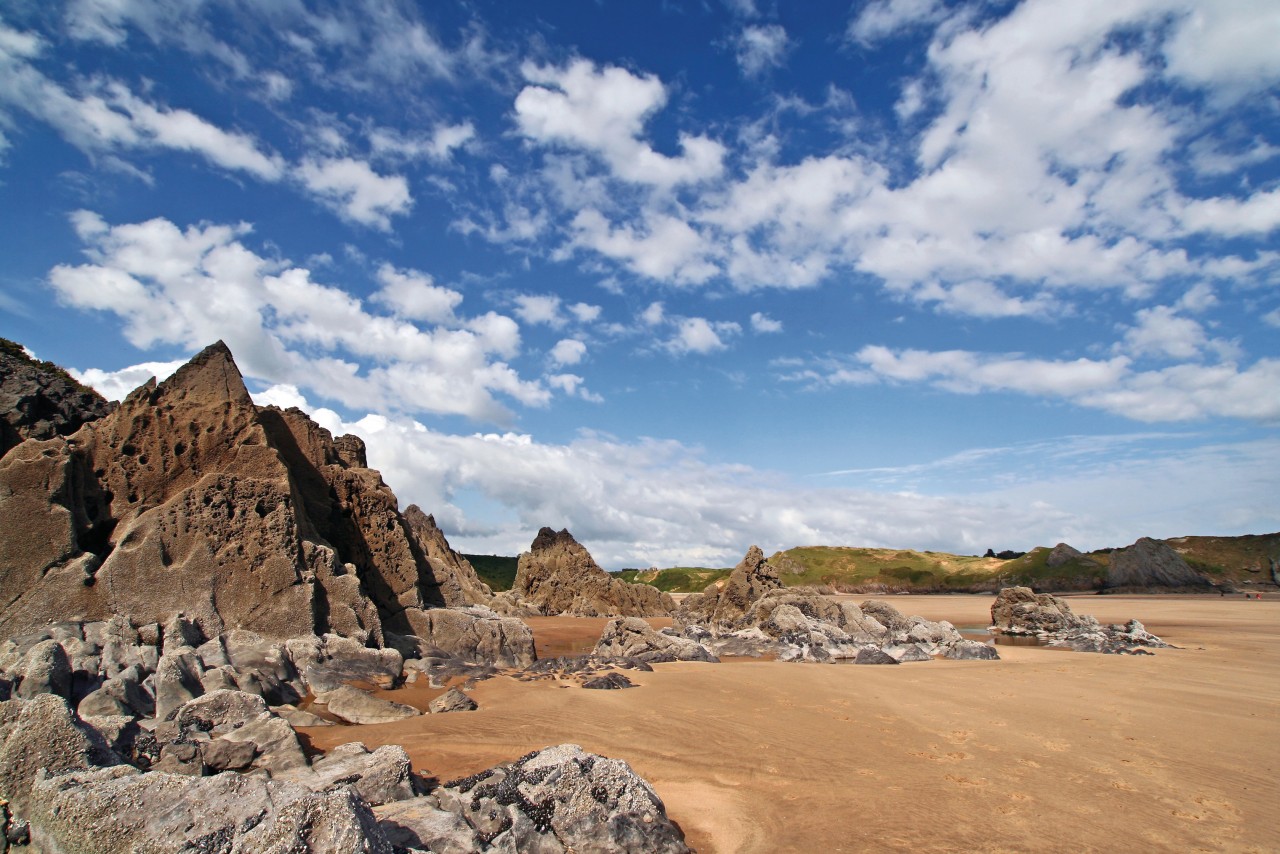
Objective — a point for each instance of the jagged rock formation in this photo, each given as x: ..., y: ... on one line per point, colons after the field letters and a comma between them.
x: 39, y: 400
x: 751, y: 613
x: 1151, y: 563
x: 189, y: 497
x: 1021, y: 611
x: 457, y: 579
x: 722, y: 609
x: 559, y: 576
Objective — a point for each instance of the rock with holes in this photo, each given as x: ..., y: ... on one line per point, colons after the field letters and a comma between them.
x: 562, y: 799
x: 119, y: 810
x: 559, y: 576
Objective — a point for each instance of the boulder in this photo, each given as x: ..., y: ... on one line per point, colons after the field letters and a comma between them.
x: 355, y: 706
x: 452, y: 700
x: 476, y: 635
x: 1019, y: 610
x: 116, y: 810
x: 608, y: 682
x: 46, y: 670
x: 632, y: 637
x: 873, y: 655
x: 420, y: 825
x: 970, y: 650
x: 582, y: 801
x: 177, y: 681
x: 45, y: 738
x: 559, y: 576
x: 380, y: 776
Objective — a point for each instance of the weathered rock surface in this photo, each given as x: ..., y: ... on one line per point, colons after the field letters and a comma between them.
x: 117, y: 810
x: 1019, y: 611
x: 39, y: 400
x: 452, y: 700
x: 474, y: 634
x: 724, y: 609
x: 380, y: 776
x: 355, y: 706
x: 188, y: 497
x: 44, y: 738
x: 457, y: 580
x: 562, y: 799
x: 1151, y: 563
x: 632, y: 637
x: 559, y: 576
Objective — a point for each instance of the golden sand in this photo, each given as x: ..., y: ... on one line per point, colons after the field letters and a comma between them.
x: 1042, y: 751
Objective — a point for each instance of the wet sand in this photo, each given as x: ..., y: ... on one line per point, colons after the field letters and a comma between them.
x: 1042, y: 751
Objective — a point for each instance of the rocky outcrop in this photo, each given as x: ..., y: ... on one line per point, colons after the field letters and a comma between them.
x: 39, y: 400
x: 632, y: 637
x: 457, y: 580
x: 189, y: 497
x: 1021, y: 611
x: 1149, y: 564
x: 752, y: 614
x: 585, y: 802
x: 452, y: 700
x: 724, y: 608
x: 559, y: 576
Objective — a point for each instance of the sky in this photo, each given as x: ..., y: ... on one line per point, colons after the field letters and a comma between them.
x: 684, y: 277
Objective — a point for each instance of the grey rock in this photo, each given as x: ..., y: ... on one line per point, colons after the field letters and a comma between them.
x: 1020, y: 610
x: 45, y: 737
x: 381, y: 776
x: 632, y: 637
x: 872, y: 655
x: 118, y: 810
x: 476, y: 635
x: 299, y: 718
x: 177, y: 681
x: 355, y: 706
x: 608, y: 682
x: 39, y: 400
x: 562, y: 798
x: 908, y: 652
x: 46, y: 670
x: 723, y: 610
x: 222, y: 754
x: 181, y: 632
x: 970, y: 650
x: 452, y: 700
x: 420, y: 825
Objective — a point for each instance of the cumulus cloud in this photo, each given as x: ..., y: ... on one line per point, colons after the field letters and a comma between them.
x: 116, y: 385
x: 539, y: 309
x: 699, y: 335
x: 567, y: 351
x: 761, y: 322
x: 355, y: 191
x: 883, y: 19
x: 189, y: 287
x: 604, y: 111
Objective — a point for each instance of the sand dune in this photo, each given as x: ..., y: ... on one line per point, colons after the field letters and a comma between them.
x: 1042, y: 751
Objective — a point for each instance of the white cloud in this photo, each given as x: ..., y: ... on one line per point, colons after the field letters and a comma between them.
x: 654, y: 502
x: 414, y: 295
x: 654, y: 314
x: 760, y: 48
x: 881, y: 19
x: 585, y: 312
x: 604, y: 111
x: 539, y: 309
x: 355, y: 191
x: 190, y: 287
x: 439, y: 146
x: 1258, y: 214
x: 1182, y: 392
x: 761, y: 322
x: 1228, y: 45
x: 116, y: 385
x: 1272, y: 318
x: 1161, y: 331
x: 567, y: 351
x: 664, y: 249
x: 699, y: 335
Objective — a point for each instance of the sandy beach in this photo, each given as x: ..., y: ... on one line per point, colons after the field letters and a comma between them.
x: 1042, y: 751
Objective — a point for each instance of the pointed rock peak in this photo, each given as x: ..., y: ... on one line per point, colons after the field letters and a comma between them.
x: 547, y: 539
x: 211, y: 375
x: 418, y: 520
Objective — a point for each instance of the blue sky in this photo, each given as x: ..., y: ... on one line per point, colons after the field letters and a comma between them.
x: 684, y: 277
